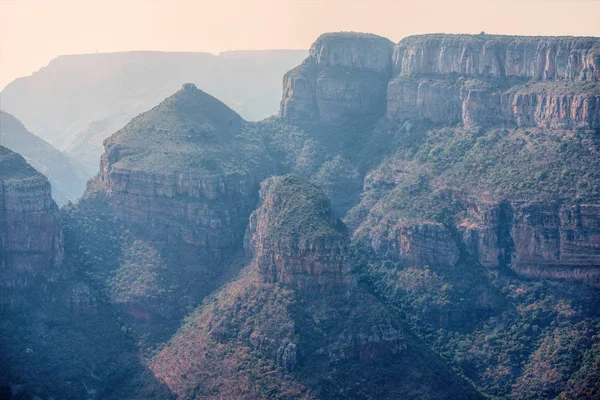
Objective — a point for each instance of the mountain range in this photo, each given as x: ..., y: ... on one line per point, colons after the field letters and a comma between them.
x: 420, y: 220
x: 77, y: 101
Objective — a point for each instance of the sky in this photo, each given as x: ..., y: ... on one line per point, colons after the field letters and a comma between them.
x: 33, y: 32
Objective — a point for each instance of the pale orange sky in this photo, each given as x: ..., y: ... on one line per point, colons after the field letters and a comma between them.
x: 32, y: 32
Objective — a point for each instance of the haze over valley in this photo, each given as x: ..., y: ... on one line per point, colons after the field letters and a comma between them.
x: 370, y: 218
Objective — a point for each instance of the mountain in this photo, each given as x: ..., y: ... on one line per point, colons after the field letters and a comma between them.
x: 182, y: 180
x: 469, y: 184
x: 57, y: 336
x: 77, y: 101
x: 295, y: 324
x: 419, y: 221
x: 68, y: 182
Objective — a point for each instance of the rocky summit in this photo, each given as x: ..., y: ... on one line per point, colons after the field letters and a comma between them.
x: 420, y: 221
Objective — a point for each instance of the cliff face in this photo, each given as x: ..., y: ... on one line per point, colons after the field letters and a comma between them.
x: 180, y: 171
x: 181, y: 180
x: 560, y: 240
x: 538, y: 58
x: 493, y: 87
x: 344, y: 74
x: 314, y: 256
x: 414, y: 245
x: 31, y: 241
x: 476, y: 80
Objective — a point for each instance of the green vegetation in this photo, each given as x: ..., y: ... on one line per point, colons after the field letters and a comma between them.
x: 301, y: 210
x: 512, y: 338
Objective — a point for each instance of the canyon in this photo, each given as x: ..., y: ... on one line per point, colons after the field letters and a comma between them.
x: 421, y: 220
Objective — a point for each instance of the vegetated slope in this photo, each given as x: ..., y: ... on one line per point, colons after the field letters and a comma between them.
x: 295, y: 324
x: 472, y: 191
x: 77, y: 101
x: 57, y: 337
x: 489, y: 168
x: 164, y: 220
x: 66, y: 178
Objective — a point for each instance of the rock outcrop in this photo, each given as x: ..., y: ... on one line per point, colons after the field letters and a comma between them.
x: 180, y: 172
x: 31, y: 241
x: 483, y: 80
x: 414, y: 245
x: 560, y: 240
x: 529, y: 57
x: 298, y: 240
x: 345, y: 74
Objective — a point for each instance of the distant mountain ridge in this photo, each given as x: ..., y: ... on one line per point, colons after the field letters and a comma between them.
x: 66, y: 177
x: 77, y: 101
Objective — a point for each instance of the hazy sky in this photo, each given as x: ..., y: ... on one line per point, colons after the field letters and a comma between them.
x: 32, y: 32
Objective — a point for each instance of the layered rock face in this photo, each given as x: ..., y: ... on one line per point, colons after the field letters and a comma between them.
x: 560, y: 240
x: 476, y: 80
x: 344, y: 74
x: 31, y: 242
x: 414, y: 245
x: 179, y: 172
x: 529, y: 57
x: 310, y: 254
x: 494, y: 87
x: 298, y: 309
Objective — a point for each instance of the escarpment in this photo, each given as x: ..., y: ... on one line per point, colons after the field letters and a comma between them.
x: 31, y: 241
x: 475, y: 80
x: 560, y: 240
x: 344, y: 75
x: 483, y: 80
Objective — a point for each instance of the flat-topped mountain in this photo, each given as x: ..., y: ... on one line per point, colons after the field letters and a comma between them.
x: 67, y: 180
x: 550, y: 82
x: 345, y: 74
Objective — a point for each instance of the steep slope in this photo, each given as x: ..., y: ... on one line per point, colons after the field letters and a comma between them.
x: 295, y: 324
x: 68, y: 183
x: 31, y: 234
x: 77, y: 101
x: 167, y: 214
x: 481, y: 184
x: 58, y: 339
x: 344, y: 75
x: 482, y: 164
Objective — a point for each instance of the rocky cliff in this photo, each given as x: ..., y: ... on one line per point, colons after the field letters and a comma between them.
x: 298, y: 240
x: 180, y: 170
x: 560, y: 240
x: 476, y: 80
x: 31, y: 241
x: 345, y: 74
x: 498, y: 80
x: 530, y: 57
